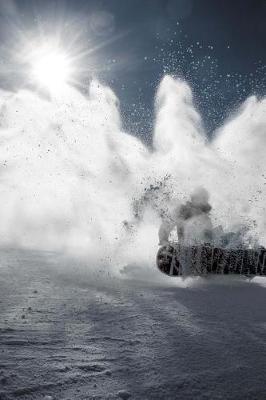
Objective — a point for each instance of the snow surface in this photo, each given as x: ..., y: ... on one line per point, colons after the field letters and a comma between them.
x: 69, y: 333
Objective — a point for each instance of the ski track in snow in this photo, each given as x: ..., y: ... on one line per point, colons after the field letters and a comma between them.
x: 70, y: 334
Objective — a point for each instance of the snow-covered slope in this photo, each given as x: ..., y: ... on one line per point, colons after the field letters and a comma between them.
x: 67, y: 333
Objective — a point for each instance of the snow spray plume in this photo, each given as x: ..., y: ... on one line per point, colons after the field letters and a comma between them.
x: 70, y: 175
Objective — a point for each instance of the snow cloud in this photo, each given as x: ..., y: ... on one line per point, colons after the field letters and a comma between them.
x: 72, y: 180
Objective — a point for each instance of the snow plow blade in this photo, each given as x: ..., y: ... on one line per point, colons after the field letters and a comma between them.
x: 176, y: 260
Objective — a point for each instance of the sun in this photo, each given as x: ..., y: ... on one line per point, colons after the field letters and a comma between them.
x: 50, y: 68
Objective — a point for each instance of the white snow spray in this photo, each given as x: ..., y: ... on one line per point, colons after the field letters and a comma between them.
x: 72, y: 181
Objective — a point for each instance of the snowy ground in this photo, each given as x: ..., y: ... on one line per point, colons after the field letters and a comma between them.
x: 69, y: 334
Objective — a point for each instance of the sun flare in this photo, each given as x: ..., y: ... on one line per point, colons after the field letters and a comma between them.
x: 50, y: 69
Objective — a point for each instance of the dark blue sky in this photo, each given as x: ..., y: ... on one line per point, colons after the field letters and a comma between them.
x: 218, y: 46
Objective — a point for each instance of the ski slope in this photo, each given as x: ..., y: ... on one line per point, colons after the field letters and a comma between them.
x: 66, y: 333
